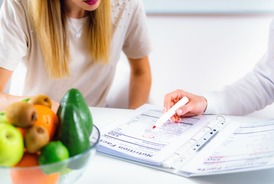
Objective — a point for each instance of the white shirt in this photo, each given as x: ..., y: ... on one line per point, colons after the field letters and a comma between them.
x: 20, y: 52
x: 252, y: 92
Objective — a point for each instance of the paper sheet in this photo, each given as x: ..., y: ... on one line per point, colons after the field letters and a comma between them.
x: 245, y: 147
x: 133, y: 137
x: 202, y: 145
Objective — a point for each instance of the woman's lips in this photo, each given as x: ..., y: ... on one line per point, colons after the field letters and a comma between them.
x: 91, y: 2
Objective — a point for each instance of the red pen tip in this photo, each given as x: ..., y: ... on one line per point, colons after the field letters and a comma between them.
x: 154, y: 126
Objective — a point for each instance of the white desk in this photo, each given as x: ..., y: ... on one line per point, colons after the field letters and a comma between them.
x: 105, y: 170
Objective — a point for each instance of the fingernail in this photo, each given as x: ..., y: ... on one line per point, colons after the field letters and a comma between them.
x: 179, y: 111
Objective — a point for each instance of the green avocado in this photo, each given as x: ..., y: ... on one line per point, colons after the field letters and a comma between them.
x: 72, y: 131
x: 75, y: 98
x: 76, y: 122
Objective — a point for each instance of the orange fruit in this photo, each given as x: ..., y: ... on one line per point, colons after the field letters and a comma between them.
x: 27, y: 171
x: 23, y: 131
x: 28, y: 160
x: 47, y: 118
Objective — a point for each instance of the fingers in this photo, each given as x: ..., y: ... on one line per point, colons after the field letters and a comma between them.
x: 172, y: 98
x: 55, y: 106
x: 195, y: 106
x: 175, y: 118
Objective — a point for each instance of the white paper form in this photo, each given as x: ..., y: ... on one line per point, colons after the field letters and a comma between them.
x: 133, y: 138
x: 249, y: 147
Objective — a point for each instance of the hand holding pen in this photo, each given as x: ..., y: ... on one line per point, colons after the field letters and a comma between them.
x: 196, y: 105
x: 166, y: 116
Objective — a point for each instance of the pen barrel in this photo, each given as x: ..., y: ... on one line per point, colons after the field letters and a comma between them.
x: 171, y: 111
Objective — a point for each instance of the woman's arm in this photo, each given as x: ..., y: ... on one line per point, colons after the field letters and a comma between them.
x: 6, y: 99
x: 140, y: 82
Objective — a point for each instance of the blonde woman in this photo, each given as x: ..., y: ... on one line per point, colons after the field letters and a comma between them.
x: 50, y: 46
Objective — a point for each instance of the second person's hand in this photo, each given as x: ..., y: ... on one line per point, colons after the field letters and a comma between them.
x: 196, y: 105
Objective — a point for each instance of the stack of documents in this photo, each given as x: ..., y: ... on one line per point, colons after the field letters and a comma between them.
x: 196, y: 146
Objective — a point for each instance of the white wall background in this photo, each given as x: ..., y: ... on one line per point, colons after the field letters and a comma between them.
x: 198, y: 53
x: 209, y: 6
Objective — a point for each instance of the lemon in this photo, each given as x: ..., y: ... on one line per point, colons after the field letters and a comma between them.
x: 53, y: 152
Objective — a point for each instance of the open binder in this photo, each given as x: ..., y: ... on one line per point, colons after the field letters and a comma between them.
x: 196, y: 146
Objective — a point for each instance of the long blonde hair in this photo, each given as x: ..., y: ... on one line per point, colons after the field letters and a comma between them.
x: 49, y: 21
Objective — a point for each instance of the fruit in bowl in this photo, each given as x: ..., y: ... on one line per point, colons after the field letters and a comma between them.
x: 30, y: 172
x: 11, y: 145
x: 56, y: 147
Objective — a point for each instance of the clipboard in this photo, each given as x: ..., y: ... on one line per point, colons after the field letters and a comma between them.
x: 196, y: 146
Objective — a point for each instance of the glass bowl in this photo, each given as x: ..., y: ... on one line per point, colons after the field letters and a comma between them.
x: 65, y: 172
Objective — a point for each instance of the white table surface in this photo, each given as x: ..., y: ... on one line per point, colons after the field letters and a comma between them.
x: 106, y: 170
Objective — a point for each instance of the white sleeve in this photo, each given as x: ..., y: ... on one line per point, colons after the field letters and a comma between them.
x: 252, y: 92
x: 137, y: 42
x: 13, y: 34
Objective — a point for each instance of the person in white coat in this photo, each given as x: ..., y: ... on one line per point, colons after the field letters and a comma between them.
x: 252, y: 92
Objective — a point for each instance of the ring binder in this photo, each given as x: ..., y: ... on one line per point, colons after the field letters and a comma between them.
x: 195, y: 144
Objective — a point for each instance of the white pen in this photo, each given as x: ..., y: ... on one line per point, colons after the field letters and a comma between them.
x: 170, y: 112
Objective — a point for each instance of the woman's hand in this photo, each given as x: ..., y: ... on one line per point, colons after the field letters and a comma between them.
x: 196, y: 105
x: 55, y: 106
x: 5, y: 99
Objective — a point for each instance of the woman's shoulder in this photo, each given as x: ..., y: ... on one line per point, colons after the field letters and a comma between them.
x: 14, y: 13
x: 17, y: 6
x: 17, y: 2
x: 130, y: 4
